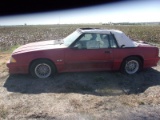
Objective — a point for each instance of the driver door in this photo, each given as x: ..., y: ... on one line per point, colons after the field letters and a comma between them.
x: 87, y: 54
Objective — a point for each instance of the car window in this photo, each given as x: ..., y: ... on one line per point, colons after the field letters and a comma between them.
x: 88, y: 41
x: 96, y: 41
x: 113, y: 43
x: 86, y: 37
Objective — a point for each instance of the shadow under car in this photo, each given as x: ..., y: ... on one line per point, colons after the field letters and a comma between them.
x: 95, y: 83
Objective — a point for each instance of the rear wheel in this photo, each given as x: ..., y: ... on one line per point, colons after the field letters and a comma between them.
x: 42, y: 69
x: 131, y: 65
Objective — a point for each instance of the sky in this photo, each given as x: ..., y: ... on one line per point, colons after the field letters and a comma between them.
x: 129, y: 11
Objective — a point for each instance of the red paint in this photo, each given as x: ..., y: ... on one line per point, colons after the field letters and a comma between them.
x: 70, y: 60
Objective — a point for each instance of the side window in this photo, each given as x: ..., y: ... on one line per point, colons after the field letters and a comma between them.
x: 93, y: 43
x: 88, y: 41
x: 86, y: 37
x: 104, y: 42
x: 112, y: 41
x: 96, y: 41
x: 107, y: 41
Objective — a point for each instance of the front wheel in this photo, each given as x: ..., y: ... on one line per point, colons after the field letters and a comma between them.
x: 131, y: 65
x: 42, y: 69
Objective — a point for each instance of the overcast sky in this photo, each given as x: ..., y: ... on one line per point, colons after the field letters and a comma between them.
x: 133, y: 11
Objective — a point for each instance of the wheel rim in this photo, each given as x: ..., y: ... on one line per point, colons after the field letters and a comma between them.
x: 132, y: 66
x: 43, y: 70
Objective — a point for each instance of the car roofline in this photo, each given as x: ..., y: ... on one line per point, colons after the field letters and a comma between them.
x: 120, y: 37
x: 98, y: 30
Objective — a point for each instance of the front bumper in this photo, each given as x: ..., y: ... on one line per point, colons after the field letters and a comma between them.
x: 15, y: 68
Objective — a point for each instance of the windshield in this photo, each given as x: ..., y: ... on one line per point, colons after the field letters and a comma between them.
x: 71, y: 38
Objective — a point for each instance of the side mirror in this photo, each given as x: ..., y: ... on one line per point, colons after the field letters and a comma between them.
x: 122, y: 46
x: 77, y: 46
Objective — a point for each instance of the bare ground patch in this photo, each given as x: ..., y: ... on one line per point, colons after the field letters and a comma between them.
x: 87, y: 95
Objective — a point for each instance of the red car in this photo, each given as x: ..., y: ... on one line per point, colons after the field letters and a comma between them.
x: 86, y: 49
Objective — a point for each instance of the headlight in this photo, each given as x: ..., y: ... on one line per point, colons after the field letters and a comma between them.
x: 12, y: 60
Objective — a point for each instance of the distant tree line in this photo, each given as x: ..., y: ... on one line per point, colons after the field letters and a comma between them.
x: 128, y: 23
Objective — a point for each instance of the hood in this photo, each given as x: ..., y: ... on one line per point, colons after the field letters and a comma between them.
x: 38, y: 46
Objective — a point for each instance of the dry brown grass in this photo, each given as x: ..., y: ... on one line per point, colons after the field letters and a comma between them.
x: 19, y: 35
x: 3, y: 112
x: 4, y: 57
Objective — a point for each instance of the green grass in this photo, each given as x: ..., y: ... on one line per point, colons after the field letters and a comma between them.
x: 11, y: 49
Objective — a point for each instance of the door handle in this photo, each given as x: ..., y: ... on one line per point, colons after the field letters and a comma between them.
x: 108, y: 51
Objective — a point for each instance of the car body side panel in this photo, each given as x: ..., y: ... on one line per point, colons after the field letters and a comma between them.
x: 88, y: 59
x: 148, y: 54
x: 24, y: 60
x: 68, y: 60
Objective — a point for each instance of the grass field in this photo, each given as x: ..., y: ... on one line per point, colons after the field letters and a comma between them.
x: 18, y: 35
x: 80, y: 95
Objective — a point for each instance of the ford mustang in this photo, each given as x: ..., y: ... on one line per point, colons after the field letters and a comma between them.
x: 86, y: 49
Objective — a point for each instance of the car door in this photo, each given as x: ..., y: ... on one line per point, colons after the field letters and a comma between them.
x: 87, y: 55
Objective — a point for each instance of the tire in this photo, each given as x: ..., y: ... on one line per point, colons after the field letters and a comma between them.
x: 131, y: 65
x: 42, y: 69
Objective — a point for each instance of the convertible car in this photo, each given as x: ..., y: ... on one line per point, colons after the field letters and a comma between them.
x: 86, y: 49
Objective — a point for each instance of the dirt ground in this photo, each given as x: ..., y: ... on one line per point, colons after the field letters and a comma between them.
x: 80, y: 96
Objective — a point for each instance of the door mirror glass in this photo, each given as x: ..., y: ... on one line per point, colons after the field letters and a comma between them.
x: 77, y: 46
x: 122, y: 46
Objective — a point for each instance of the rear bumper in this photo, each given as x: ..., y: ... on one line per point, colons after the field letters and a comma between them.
x: 159, y: 60
x: 15, y: 68
x: 151, y: 62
